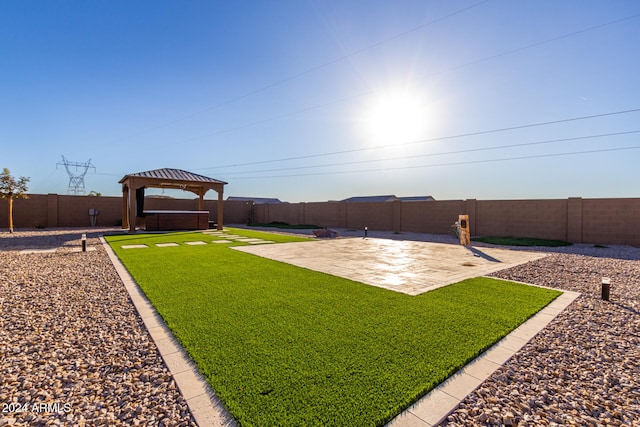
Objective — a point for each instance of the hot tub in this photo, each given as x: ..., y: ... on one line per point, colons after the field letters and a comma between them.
x: 175, y: 220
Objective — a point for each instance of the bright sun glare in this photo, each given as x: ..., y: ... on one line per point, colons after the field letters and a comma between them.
x: 395, y: 117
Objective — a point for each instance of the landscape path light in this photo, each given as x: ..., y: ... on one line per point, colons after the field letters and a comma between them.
x: 365, y: 232
x: 84, y: 242
x: 606, y: 287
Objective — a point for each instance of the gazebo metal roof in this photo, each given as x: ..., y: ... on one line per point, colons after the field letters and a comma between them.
x: 173, y: 175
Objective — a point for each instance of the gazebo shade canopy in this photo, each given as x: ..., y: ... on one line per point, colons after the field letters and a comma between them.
x: 174, y: 178
x: 133, y: 186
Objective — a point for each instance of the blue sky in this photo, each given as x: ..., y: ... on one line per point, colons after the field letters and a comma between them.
x: 317, y: 100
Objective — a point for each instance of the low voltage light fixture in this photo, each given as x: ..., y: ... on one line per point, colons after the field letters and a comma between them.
x: 606, y: 287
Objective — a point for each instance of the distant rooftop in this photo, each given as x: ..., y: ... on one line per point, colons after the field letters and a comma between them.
x: 256, y: 200
x: 417, y: 199
x: 388, y: 198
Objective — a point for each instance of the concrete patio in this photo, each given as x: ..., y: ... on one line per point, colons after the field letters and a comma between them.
x: 403, y: 266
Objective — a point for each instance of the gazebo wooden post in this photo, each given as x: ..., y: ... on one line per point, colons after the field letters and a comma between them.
x: 220, y: 207
x: 125, y: 206
x: 201, y: 192
x: 132, y: 206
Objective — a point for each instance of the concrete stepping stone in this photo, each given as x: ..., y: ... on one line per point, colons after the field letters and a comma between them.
x: 261, y: 242
x: 197, y: 242
x: 134, y: 246
x: 222, y: 241
x: 166, y: 245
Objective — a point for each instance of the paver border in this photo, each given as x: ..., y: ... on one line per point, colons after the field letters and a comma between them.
x: 429, y: 411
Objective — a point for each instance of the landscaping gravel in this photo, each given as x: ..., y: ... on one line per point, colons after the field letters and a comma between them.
x: 584, y: 367
x: 73, y: 350
x: 71, y: 338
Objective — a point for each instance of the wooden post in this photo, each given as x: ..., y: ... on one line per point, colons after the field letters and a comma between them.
x: 220, y: 207
x: 125, y: 206
x: 201, y: 192
x: 465, y: 238
x: 132, y: 206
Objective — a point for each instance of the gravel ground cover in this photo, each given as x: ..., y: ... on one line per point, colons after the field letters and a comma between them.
x: 73, y: 350
x: 584, y: 368
x: 69, y: 335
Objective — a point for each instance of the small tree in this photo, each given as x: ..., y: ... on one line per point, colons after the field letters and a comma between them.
x: 10, y: 189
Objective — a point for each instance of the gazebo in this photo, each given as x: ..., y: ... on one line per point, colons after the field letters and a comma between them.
x: 133, y: 186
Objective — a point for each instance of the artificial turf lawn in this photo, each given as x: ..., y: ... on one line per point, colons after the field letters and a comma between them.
x: 282, y: 345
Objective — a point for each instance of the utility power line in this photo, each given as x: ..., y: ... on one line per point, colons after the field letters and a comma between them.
x: 314, y: 68
x: 504, y: 159
x: 359, y: 51
x: 470, y: 150
x: 449, y: 137
x: 463, y: 135
x: 433, y: 74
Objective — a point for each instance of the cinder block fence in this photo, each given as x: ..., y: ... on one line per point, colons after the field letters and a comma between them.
x: 577, y: 220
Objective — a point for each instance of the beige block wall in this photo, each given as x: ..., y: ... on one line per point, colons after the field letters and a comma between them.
x: 375, y: 216
x: 431, y: 217
x: 546, y: 219
x: 73, y: 211
x: 53, y: 210
x: 235, y: 211
x: 29, y: 212
x: 286, y: 212
x: 604, y: 221
x: 614, y: 221
x: 324, y: 214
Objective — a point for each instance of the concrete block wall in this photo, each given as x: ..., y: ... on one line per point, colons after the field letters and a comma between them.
x: 546, y: 219
x: 53, y: 210
x: 73, y: 211
x: 577, y: 220
x: 376, y: 216
x: 33, y: 211
x: 431, y: 217
x: 235, y: 211
x: 611, y: 221
x: 323, y: 214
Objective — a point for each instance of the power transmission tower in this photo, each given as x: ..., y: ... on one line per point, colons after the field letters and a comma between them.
x: 76, y: 177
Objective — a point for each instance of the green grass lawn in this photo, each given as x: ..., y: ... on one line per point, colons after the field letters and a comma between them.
x: 282, y: 345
